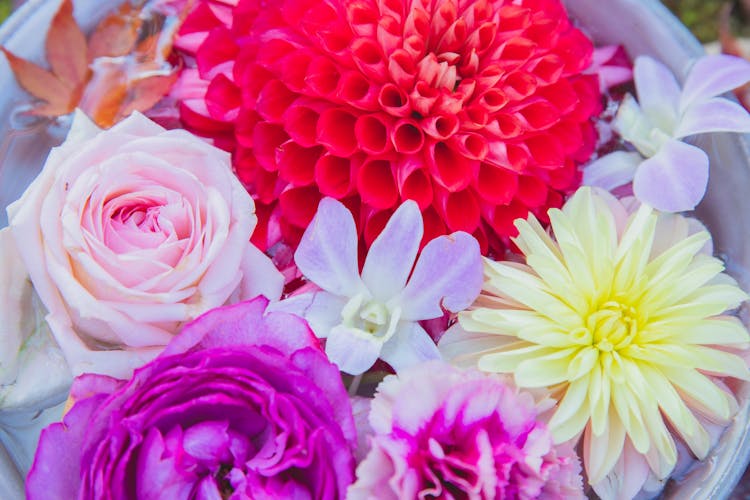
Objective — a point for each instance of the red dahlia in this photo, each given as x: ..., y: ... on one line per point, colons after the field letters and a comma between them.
x: 476, y: 109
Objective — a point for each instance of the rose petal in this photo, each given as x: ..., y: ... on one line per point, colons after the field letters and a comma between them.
x: 612, y: 170
x: 675, y: 179
x: 327, y: 254
x: 448, y: 275
x: 391, y: 255
x: 259, y: 276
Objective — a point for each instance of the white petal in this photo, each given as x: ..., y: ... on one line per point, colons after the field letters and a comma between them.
x: 448, y: 275
x: 327, y: 254
x: 410, y: 345
x: 353, y: 351
x: 673, y: 180
x: 713, y: 115
x: 658, y: 92
x: 391, y: 255
x: 321, y: 310
x: 259, y: 276
x: 612, y: 170
x: 712, y: 76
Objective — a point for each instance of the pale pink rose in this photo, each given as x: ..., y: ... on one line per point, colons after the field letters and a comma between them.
x: 130, y: 232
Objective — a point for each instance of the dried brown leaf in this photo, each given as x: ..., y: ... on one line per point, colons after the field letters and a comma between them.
x: 43, y: 85
x: 117, y: 34
x: 66, y: 47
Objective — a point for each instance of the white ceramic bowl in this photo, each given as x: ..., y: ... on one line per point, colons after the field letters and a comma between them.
x: 642, y: 26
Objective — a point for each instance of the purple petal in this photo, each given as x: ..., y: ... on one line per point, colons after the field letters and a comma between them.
x: 352, y: 351
x: 245, y: 323
x: 673, y: 180
x: 321, y: 310
x: 612, y: 170
x: 391, y: 255
x: 327, y: 254
x: 713, y: 115
x: 713, y: 75
x: 208, y: 442
x: 448, y: 275
x: 658, y: 91
x: 410, y: 345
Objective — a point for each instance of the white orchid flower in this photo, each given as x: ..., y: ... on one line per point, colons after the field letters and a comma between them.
x: 375, y: 314
x: 666, y: 172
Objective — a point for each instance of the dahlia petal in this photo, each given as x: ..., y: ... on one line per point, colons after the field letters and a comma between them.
x: 626, y: 478
x: 391, y: 256
x: 394, y: 100
x: 407, y: 137
x: 713, y: 115
x: 376, y: 184
x: 327, y: 254
x: 373, y: 133
x: 601, y: 452
x: 333, y: 175
x: 447, y: 276
x: 409, y: 346
x: 357, y: 91
x: 711, y: 76
x: 298, y: 204
x: 322, y: 76
x: 673, y: 180
x: 297, y: 163
x: 451, y: 170
x: 273, y: 100
x: 415, y: 186
x: 335, y: 130
x: 658, y: 92
x: 354, y: 352
x: 612, y: 170
x: 301, y: 121
x: 496, y: 185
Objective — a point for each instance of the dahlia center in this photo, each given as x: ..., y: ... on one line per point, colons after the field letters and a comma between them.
x: 613, y: 326
x: 370, y: 317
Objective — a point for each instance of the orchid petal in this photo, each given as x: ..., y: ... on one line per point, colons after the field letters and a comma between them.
x: 612, y: 170
x: 658, y: 92
x: 447, y: 275
x: 327, y: 254
x: 712, y: 76
x: 713, y: 115
x: 321, y: 310
x: 391, y: 256
x: 410, y: 345
x: 353, y: 351
x: 675, y: 179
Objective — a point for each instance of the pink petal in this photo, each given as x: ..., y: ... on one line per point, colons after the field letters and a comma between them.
x: 448, y: 275
x: 409, y: 346
x: 673, y: 180
x: 612, y: 170
x: 259, y: 276
x: 658, y: 91
x: 321, y: 310
x: 713, y: 75
x: 713, y: 115
x: 392, y: 254
x: 352, y: 351
x: 327, y: 254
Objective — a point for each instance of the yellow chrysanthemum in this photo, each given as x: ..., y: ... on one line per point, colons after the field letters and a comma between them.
x: 624, y: 327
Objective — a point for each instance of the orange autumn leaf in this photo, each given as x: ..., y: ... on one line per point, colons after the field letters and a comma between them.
x: 117, y: 34
x: 122, y: 67
x: 66, y: 47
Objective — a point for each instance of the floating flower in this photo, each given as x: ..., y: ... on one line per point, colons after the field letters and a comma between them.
x: 624, y: 321
x: 468, y: 435
x: 478, y: 111
x: 130, y: 232
x: 376, y: 315
x: 674, y: 175
x: 241, y: 404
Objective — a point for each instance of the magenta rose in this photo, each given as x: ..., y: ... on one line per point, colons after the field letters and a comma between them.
x: 241, y: 404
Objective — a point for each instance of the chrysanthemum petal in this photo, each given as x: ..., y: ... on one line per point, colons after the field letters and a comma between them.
x: 700, y: 392
x: 543, y: 371
x: 602, y: 451
x: 570, y: 405
x: 391, y: 256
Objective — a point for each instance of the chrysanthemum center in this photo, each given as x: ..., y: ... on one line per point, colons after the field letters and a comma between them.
x: 613, y: 326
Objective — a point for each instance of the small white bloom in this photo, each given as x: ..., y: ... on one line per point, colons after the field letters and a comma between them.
x: 375, y: 314
x: 667, y: 173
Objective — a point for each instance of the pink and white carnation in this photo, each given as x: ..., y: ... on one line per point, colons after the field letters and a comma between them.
x: 129, y: 233
x: 466, y: 435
